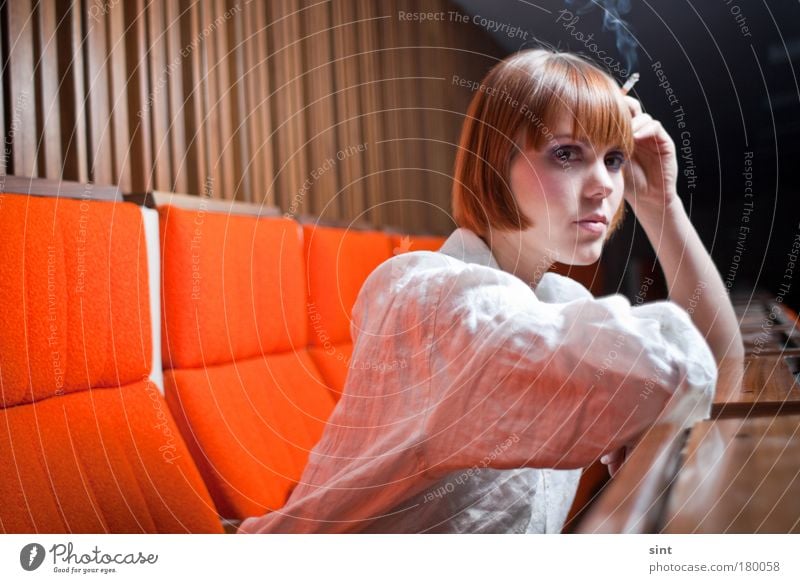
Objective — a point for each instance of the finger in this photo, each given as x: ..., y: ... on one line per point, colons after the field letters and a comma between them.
x: 634, y: 106
x: 649, y: 129
x: 613, y: 457
x: 640, y: 121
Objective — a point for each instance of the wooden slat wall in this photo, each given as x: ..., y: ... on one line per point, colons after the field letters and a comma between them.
x: 118, y: 97
x: 318, y: 194
x: 179, y: 178
x: 244, y: 100
x: 259, y: 123
x: 48, y: 118
x: 371, y: 120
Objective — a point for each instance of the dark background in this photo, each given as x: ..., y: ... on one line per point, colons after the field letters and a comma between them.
x: 739, y: 94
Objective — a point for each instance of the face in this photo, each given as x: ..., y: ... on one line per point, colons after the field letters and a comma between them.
x: 570, y: 190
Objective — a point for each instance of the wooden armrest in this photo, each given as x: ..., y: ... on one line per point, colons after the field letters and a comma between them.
x: 634, y: 499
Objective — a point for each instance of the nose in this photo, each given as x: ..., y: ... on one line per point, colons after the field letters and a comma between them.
x: 600, y: 183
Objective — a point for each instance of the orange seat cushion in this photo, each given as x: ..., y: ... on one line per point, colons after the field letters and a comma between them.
x: 251, y: 425
x: 333, y: 363
x: 338, y: 261
x: 99, y: 461
x: 73, y: 286
x: 232, y: 287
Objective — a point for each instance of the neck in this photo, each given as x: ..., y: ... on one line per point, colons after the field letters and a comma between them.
x: 510, y: 253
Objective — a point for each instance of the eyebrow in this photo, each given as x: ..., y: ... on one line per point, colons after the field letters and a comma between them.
x: 570, y: 137
x: 582, y: 142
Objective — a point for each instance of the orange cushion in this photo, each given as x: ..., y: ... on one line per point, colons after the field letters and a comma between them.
x: 250, y: 426
x: 338, y: 262
x: 333, y: 363
x: 73, y: 287
x: 405, y: 243
x: 99, y: 461
x: 232, y: 287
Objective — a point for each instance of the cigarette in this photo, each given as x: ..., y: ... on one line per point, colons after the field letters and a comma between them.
x: 630, y: 83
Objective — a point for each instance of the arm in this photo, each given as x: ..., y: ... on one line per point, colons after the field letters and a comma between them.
x: 693, y: 280
x: 566, y: 382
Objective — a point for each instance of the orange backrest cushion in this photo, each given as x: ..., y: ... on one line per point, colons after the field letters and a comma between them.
x: 338, y: 261
x: 74, y: 316
x: 232, y: 287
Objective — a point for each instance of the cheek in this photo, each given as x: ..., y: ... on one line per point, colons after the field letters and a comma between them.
x: 526, y: 184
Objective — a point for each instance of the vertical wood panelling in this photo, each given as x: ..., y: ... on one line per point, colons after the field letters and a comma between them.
x: 48, y: 112
x: 438, y: 154
x: 348, y: 108
x: 220, y: 95
x: 372, y: 120
x: 97, y: 100
x: 396, y: 183
x: 238, y: 113
x: 179, y: 181
x: 412, y: 106
x: 5, y: 150
x: 72, y: 95
x: 194, y: 80
x: 259, y: 126
x: 287, y: 100
x: 137, y: 86
x: 318, y: 107
x: 211, y: 111
x: 157, y: 100
x: 320, y: 191
x: 22, y: 101
x: 118, y: 97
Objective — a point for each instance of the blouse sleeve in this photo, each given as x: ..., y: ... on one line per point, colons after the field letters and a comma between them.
x: 519, y: 382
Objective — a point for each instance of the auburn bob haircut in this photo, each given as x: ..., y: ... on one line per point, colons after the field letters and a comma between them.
x: 514, y: 107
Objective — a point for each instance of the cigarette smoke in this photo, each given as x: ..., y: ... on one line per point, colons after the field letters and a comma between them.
x: 613, y: 11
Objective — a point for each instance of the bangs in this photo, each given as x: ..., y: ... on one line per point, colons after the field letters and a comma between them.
x: 594, y: 101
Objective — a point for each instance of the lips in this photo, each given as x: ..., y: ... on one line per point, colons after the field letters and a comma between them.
x: 595, y: 218
x: 595, y: 223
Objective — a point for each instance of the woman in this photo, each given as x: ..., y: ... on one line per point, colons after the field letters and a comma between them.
x: 480, y: 382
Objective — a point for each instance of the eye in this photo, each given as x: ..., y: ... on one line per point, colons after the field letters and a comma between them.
x: 566, y: 154
x: 615, y: 160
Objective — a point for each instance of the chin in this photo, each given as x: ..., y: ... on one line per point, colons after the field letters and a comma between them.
x: 585, y: 257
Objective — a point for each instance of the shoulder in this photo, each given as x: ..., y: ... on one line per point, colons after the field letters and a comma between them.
x: 432, y: 268
x: 439, y: 280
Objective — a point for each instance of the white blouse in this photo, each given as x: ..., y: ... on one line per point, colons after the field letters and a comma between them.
x: 473, y: 402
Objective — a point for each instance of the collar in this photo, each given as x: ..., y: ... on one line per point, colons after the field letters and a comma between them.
x: 467, y: 246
